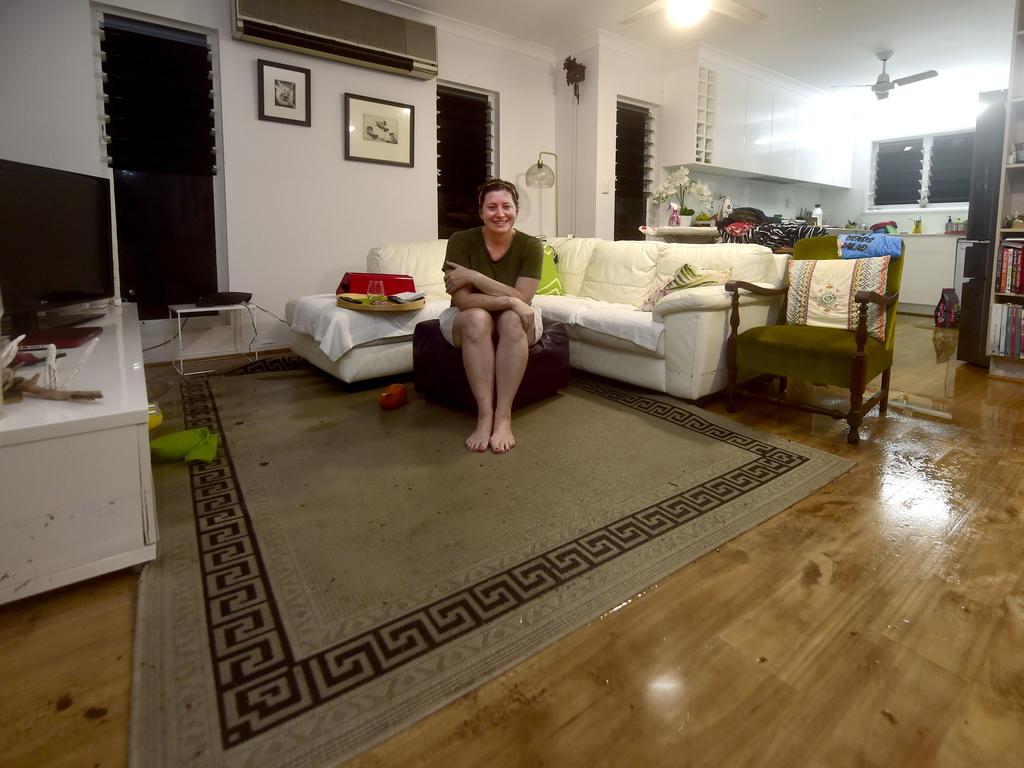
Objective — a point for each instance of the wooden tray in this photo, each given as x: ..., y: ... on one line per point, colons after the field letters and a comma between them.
x: 388, y: 307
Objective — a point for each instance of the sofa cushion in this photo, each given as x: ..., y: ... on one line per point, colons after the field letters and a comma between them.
x: 573, y: 256
x: 422, y: 259
x: 621, y: 271
x: 562, y: 309
x: 743, y: 261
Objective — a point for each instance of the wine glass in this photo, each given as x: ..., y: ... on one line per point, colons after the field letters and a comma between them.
x: 375, y: 292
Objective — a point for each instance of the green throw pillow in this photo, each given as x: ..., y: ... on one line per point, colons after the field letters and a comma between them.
x: 550, y: 282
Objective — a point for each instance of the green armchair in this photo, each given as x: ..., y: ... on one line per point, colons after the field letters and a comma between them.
x: 835, y: 356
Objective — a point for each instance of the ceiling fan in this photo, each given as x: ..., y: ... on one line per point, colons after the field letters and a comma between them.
x: 729, y: 8
x: 884, y: 84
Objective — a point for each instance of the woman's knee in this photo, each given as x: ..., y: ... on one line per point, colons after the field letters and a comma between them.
x: 474, y: 323
x: 510, y: 325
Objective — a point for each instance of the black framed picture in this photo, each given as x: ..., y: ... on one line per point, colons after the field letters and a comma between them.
x: 283, y: 93
x: 378, y: 131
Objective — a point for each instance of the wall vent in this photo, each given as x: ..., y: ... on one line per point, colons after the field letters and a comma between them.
x: 342, y: 31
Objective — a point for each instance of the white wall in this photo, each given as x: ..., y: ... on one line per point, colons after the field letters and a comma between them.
x: 628, y: 75
x: 298, y: 215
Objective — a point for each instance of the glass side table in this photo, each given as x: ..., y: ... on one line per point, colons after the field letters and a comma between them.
x: 181, y: 312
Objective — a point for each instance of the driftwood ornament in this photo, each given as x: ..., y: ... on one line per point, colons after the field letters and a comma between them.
x: 56, y: 390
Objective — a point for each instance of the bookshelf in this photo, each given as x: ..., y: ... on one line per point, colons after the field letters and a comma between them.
x: 1006, y: 316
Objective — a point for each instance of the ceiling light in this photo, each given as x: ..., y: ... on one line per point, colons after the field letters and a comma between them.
x: 686, y: 13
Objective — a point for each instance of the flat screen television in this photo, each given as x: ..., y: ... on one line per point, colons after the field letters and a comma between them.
x: 56, y: 245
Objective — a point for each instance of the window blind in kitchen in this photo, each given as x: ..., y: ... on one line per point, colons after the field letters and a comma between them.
x: 898, y: 172
x: 949, y: 175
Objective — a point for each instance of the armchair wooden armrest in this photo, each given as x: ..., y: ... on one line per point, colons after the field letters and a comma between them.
x: 863, y: 298
x: 886, y: 300
x: 735, y: 286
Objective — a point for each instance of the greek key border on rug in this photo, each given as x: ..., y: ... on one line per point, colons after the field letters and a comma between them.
x: 261, y: 684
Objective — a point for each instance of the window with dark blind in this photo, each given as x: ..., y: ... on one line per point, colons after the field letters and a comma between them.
x: 161, y: 143
x: 949, y: 177
x: 465, y: 155
x: 159, y: 98
x: 924, y: 170
x: 632, y: 169
x: 898, y: 172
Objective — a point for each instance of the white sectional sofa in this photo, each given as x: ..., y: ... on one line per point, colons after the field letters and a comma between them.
x: 679, y: 348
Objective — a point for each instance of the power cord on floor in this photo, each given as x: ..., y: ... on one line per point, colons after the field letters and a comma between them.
x: 165, y: 343
x: 269, y: 312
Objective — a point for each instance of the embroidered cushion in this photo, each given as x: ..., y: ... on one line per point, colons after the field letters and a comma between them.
x: 550, y: 281
x: 821, y: 292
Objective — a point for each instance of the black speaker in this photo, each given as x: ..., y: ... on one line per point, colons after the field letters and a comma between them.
x: 219, y: 299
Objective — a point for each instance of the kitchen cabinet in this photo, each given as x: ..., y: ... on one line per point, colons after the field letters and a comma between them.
x: 721, y: 119
x: 783, y: 141
x: 730, y: 118
x: 757, y: 154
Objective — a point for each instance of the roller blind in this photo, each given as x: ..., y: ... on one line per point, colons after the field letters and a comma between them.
x: 949, y: 177
x: 633, y: 155
x: 898, y: 172
x: 465, y: 155
x: 158, y: 98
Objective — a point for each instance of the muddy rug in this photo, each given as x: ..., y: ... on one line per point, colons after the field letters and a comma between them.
x: 340, y: 571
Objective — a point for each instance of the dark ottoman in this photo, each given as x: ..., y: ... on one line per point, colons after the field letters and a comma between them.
x: 440, y: 377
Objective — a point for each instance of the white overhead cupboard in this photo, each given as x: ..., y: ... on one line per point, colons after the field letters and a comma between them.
x: 720, y: 118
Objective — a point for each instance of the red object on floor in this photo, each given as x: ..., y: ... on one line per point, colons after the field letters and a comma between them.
x: 394, y: 396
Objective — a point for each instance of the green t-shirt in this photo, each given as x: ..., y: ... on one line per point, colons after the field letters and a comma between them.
x: 524, y: 257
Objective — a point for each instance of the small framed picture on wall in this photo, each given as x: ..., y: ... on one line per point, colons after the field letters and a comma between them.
x: 283, y: 93
x: 378, y: 131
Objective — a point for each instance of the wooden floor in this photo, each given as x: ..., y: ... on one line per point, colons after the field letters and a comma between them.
x: 880, y: 622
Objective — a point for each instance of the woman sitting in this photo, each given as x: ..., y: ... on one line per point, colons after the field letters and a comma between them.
x: 492, y: 273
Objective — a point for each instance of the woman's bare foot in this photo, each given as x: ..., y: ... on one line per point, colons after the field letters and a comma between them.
x: 502, y: 439
x: 479, y: 440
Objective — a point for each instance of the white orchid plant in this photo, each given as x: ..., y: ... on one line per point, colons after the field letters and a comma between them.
x: 677, y: 185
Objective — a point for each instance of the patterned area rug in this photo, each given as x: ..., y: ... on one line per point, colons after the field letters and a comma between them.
x: 340, y: 571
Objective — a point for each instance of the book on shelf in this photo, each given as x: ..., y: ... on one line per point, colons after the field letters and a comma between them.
x: 1006, y: 331
x: 1010, y: 268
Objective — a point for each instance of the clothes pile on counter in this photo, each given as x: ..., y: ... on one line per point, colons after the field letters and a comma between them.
x: 750, y: 225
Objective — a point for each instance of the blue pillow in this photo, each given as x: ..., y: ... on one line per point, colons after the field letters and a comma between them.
x: 860, y: 246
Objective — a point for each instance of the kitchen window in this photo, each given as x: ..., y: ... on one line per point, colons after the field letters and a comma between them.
x: 923, y: 170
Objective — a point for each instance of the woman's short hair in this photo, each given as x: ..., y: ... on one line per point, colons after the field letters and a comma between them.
x: 496, y: 185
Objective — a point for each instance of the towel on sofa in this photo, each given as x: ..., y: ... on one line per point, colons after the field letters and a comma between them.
x: 623, y: 321
x: 338, y: 330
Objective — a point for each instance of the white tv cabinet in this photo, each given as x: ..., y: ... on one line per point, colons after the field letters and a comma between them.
x: 76, y: 485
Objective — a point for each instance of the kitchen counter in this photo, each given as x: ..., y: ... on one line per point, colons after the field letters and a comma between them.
x: 680, y: 234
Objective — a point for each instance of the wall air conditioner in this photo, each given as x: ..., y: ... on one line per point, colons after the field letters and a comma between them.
x: 342, y: 31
